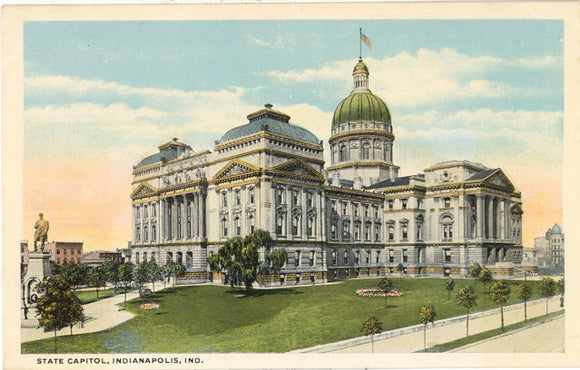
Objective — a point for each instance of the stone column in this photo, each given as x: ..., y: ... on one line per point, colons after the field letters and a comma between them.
x: 202, y: 213
x: 173, y: 218
x: 490, y: 218
x: 480, y: 222
x: 506, y: 215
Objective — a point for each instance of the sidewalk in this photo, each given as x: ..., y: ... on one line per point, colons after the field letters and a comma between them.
x: 99, y: 315
x: 410, y: 339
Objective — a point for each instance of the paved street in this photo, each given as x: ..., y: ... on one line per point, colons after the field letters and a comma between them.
x: 546, y: 337
x: 413, y: 342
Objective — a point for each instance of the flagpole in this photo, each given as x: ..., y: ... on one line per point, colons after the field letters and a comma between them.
x: 360, y: 43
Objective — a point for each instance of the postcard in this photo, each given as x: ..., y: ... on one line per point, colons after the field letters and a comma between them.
x: 307, y: 185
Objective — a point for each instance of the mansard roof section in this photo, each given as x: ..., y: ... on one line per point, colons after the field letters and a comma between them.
x: 272, y: 121
x: 399, y: 181
x: 495, y: 177
x: 167, y: 152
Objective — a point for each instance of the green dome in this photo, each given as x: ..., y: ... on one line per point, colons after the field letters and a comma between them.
x: 360, y: 67
x: 361, y: 106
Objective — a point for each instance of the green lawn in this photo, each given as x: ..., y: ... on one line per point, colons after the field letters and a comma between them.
x: 218, y: 319
x: 88, y: 296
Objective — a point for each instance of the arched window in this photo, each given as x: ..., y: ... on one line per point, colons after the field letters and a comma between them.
x: 153, y: 233
x: 144, y: 256
x: 153, y: 256
x: 138, y: 234
x: 311, y: 224
x: 447, y: 228
x: 237, y: 225
x: 224, y: 226
x: 251, y: 224
x: 295, y: 225
x: 365, y: 150
x: 280, y: 224
x: 342, y: 156
x: 145, y: 233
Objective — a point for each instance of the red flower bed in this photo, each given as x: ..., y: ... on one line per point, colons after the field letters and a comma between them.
x: 375, y: 292
x: 150, y: 306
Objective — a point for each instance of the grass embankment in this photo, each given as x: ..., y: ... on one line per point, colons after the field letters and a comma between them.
x: 489, y: 334
x: 220, y: 319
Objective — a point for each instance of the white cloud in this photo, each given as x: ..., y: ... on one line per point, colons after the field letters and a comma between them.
x: 429, y: 76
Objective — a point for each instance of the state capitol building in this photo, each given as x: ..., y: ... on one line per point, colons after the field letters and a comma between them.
x: 356, y: 217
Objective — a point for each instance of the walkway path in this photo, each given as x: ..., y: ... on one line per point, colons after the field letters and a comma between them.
x: 410, y: 339
x: 99, y: 315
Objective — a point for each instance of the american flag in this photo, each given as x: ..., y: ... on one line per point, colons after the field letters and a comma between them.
x: 365, y: 40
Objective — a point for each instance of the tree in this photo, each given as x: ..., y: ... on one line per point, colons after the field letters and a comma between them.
x: 76, y: 274
x: 400, y: 268
x: 524, y: 293
x: 214, y: 263
x: 178, y: 270
x: 141, y: 275
x: 97, y: 279
x: 155, y: 273
x: 427, y: 315
x: 547, y: 288
x: 371, y: 327
x: 385, y: 286
x: 485, y: 276
x: 111, y: 269
x: 240, y: 257
x: 466, y: 297
x: 126, y: 276
x: 277, y: 259
x: 500, y: 293
x: 474, y: 270
x: 449, y: 286
x: 57, y: 306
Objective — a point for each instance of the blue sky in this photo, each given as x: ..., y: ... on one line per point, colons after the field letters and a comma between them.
x: 490, y: 91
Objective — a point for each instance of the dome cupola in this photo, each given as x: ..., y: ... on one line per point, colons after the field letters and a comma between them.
x: 361, y: 105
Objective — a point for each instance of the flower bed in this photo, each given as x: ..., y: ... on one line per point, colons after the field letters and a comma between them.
x: 375, y: 292
x: 150, y: 306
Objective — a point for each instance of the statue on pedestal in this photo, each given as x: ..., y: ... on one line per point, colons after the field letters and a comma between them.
x: 41, y: 233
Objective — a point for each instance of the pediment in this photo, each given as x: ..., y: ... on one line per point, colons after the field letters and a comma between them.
x: 298, y: 167
x: 236, y: 168
x: 499, y: 178
x: 143, y: 190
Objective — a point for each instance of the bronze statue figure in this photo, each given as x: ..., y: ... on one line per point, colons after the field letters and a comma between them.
x: 41, y: 233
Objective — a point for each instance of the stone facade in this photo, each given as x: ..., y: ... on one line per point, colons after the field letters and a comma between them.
x: 354, y: 218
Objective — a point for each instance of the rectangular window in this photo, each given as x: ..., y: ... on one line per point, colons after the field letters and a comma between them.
x: 64, y: 251
x: 334, y: 260
x: 279, y: 195
x: 391, y: 204
x: 368, y: 260
x: 357, y: 257
x: 252, y: 195
x: 355, y: 210
x: 376, y: 212
x: 404, y: 203
x: 345, y: 257
x: 312, y: 258
x: 446, y: 202
x: 57, y: 251
x: 377, y: 232
x: 309, y: 200
x: 366, y: 210
x: 391, y: 256
x: 405, y: 255
x: 447, y: 253
x: 224, y: 199
x: 378, y: 257
x: 297, y: 258
x: 295, y: 197
x: 357, y: 230
x: 238, y: 198
x: 391, y: 232
x: 333, y: 205
x: 344, y: 205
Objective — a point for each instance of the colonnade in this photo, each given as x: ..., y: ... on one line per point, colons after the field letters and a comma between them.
x: 493, y: 218
x: 183, y: 217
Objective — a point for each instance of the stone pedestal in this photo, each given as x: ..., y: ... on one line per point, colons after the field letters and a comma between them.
x: 38, y: 269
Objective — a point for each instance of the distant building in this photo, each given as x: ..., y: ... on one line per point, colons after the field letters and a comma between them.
x: 96, y: 258
x: 550, y: 248
x: 64, y: 252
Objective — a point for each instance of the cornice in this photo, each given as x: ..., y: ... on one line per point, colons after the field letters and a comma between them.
x: 362, y: 164
x: 368, y: 133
